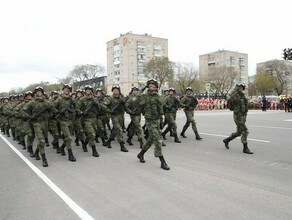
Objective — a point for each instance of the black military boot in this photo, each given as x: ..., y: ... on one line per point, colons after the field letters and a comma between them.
x: 44, y: 159
x: 94, y: 152
x: 108, y: 144
x: 71, y: 156
x: 183, y: 132
x: 30, y: 151
x: 22, y: 142
x: 246, y: 149
x: 7, y: 133
x: 198, y: 136
x: 47, y: 142
x: 84, y: 143
x: 141, y: 156
x: 163, y: 134
x: 103, y: 142
x: 36, y: 154
x: 176, y: 140
x: 129, y: 141
x: 226, y: 142
x: 163, y: 163
x: 123, y: 148
x: 62, y: 149
x: 77, y: 142
x: 141, y: 142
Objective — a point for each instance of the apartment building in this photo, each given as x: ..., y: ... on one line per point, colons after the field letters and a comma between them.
x: 225, y: 58
x: 127, y: 56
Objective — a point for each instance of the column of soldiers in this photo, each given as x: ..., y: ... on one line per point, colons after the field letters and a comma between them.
x: 86, y: 114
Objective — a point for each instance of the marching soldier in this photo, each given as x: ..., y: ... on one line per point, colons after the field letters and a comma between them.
x: 238, y: 103
x: 65, y: 106
x: 189, y: 102
x: 88, y: 108
x: 38, y: 113
x: 133, y: 108
x: 152, y: 110
x: 116, y: 105
x: 171, y: 105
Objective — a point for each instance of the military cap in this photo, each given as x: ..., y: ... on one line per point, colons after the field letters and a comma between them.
x: 172, y: 89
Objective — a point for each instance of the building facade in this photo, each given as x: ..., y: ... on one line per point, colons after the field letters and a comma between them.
x: 127, y: 56
x: 225, y: 58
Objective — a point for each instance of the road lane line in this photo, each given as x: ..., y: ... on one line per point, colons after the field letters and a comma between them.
x: 258, y: 126
x: 250, y: 139
x: 76, y: 208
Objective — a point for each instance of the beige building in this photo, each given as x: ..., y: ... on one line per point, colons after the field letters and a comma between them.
x: 127, y: 56
x: 225, y: 58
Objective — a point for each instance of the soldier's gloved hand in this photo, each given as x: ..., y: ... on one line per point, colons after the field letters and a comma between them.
x: 33, y: 117
x: 95, y: 103
x: 63, y: 110
x: 110, y: 111
x: 84, y: 113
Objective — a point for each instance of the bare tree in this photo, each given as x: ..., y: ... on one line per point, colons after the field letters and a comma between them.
x: 85, y: 72
x: 161, y: 69
x: 280, y: 72
x: 186, y: 75
x: 222, y: 79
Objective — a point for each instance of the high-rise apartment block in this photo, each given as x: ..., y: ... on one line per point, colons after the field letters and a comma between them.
x: 225, y: 58
x: 127, y: 56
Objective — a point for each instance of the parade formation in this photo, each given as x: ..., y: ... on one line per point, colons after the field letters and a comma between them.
x: 91, y: 116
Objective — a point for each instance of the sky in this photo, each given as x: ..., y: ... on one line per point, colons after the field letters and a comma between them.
x: 43, y: 40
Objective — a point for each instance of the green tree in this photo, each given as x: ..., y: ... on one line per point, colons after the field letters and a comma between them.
x: 264, y: 83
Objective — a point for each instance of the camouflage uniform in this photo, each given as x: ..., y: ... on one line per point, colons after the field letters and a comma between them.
x: 171, y: 105
x: 189, y: 102
x: 38, y: 110
x: 88, y: 108
x: 134, y: 109
x: 152, y: 106
x: 66, y: 112
x: 116, y: 107
x: 238, y: 103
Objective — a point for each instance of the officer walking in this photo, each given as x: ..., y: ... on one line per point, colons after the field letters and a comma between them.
x: 153, y: 109
x: 238, y: 103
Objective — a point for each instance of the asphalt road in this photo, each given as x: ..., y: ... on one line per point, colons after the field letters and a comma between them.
x: 205, y: 180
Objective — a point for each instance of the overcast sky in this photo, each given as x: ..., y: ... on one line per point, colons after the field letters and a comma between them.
x: 44, y: 40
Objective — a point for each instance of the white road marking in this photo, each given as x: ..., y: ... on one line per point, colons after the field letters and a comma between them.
x: 258, y: 126
x: 76, y: 208
x: 250, y: 139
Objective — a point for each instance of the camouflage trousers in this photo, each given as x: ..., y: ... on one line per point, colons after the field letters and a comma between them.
x: 90, y: 130
x: 41, y: 132
x: 67, y: 130
x: 153, y: 127
x: 117, y: 121
x: 170, y: 119
x: 27, y: 130
x: 135, y: 127
x: 190, y: 120
x: 241, y: 129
